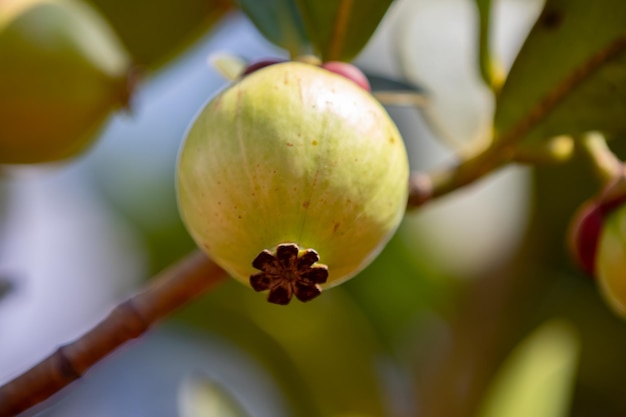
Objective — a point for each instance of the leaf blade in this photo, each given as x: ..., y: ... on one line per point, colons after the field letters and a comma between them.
x: 200, y: 397
x: 554, y: 88
x: 279, y: 21
x: 338, y: 29
x: 537, y: 378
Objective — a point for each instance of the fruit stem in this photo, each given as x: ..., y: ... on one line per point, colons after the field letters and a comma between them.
x: 424, y: 187
x: 603, y: 161
x: 490, y: 69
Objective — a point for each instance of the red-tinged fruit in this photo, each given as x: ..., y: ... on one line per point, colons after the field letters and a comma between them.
x: 583, y: 236
x: 597, y: 240
x: 348, y: 71
x: 588, y: 222
x: 611, y: 260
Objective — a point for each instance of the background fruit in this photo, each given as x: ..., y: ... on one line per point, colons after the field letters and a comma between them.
x: 63, y: 71
x: 611, y: 260
x: 584, y: 234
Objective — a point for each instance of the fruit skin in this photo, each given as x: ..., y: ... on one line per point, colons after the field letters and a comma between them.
x: 584, y: 234
x: 293, y: 154
x: 63, y: 71
x: 588, y: 221
x: 611, y: 260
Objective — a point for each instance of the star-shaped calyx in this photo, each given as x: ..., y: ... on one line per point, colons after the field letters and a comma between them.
x: 289, y: 271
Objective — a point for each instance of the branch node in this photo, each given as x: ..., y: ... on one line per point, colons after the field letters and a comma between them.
x: 64, y: 366
x: 420, y: 189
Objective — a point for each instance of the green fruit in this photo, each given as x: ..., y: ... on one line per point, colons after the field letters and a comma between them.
x: 611, y: 260
x: 62, y: 71
x: 292, y: 166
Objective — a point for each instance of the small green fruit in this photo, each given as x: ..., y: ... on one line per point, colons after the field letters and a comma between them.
x: 290, y: 166
x: 62, y: 71
x: 611, y: 260
x: 597, y: 241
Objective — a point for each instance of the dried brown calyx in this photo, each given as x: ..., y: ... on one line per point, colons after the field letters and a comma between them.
x: 289, y: 271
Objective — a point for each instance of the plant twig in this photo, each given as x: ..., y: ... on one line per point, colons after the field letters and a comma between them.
x: 490, y: 70
x: 603, y: 161
x: 170, y: 290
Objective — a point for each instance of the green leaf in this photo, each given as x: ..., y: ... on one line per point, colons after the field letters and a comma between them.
x: 570, y: 75
x: 279, y: 21
x: 537, y: 378
x: 201, y: 397
x: 322, y: 353
x: 156, y: 30
x: 339, y: 29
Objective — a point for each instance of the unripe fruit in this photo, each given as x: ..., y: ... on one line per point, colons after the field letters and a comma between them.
x: 583, y: 235
x: 611, y: 260
x: 62, y: 71
x: 597, y: 240
x: 290, y: 167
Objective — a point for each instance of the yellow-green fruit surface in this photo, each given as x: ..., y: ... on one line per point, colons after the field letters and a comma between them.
x: 62, y: 71
x: 293, y: 154
x: 611, y: 260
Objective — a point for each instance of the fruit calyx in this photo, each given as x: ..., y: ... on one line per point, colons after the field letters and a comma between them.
x: 289, y: 271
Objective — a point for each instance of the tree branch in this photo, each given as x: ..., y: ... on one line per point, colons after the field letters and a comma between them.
x: 424, y: 187
x: 171, y: 289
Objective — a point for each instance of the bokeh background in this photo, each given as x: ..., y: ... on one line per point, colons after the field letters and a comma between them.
x: 429, y: 329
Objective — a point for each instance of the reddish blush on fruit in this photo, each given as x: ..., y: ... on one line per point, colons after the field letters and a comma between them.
x: 348, y: 71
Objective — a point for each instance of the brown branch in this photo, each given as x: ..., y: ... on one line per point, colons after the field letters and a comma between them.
x: 424, y: 187
x: 171, y: 289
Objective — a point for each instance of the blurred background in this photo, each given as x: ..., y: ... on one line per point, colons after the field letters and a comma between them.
x: 474, y: 298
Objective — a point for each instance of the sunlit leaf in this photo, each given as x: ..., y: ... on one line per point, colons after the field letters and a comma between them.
x: 201, y: 397
x: 339, y: 29
x: 279, y: 21
x: 538, y: 377
x: 570, y: 75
